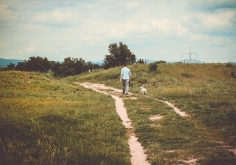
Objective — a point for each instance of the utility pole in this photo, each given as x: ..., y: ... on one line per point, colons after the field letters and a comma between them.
x: 190, y: 55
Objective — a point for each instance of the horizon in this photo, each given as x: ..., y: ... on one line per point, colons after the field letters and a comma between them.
x: 100, y: 62
x: 163, y: 30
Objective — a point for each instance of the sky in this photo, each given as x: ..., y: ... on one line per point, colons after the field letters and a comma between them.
x: 152, y: 29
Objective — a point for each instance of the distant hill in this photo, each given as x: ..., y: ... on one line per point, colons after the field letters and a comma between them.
x: 148, y: 61
x: 5, y: 62
x: 192, y: 61
x: 98, y: 62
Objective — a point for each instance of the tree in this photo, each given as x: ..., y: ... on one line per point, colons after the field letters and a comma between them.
x: 68, y: 67
x: 140, y: 61
x: 37, y: 64
x: 72, y: 66
x: 96, y: 66
x: 22, y: 66
x: 80, y: 66
x: 119, y: 54
x: 109, y: 62
x: 56, y: 68
x: 89, y: 66
x: 11, y: 66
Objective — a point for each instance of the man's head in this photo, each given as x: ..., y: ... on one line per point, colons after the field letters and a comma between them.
x: 125, y: 64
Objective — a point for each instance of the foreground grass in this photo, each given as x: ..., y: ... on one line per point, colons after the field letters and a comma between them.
x: 173, y: 139
x: 46, y: 121
x: 206, y: 92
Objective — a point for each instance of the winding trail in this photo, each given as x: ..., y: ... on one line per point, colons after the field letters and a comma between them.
x: 181, y: 113
x: 138, y: 156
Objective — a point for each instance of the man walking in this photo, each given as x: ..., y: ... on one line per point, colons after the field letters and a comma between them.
x: 125, y: 77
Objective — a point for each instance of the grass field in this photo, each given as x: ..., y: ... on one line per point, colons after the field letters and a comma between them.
x: 54, y: 121
x: 48, y: 121
x: 206, y: 92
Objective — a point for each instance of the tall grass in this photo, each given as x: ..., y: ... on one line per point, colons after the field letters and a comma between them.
x: 48, y: 121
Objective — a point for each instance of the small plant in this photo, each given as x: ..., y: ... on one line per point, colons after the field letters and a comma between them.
x: 153, y: 67
x: 187, y: 75
x: 233, y: 74
x: 229, y: 64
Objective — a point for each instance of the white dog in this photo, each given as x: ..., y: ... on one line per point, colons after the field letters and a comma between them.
x: 143, y: 90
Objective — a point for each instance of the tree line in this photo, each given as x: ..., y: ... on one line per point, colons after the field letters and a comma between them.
x: 118, y: 54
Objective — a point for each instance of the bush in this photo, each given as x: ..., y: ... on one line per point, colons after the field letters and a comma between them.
x: 153, y: 67
x: 229, y: 64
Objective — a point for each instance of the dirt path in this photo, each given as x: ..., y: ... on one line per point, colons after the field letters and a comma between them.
x: 138, y: 157
x: 177, y: 110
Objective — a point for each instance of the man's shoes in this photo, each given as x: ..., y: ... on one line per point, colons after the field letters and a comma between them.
x: 125, y: 93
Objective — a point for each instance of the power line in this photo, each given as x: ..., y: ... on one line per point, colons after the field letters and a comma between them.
x: 219, y: 57
x: 190, y: 54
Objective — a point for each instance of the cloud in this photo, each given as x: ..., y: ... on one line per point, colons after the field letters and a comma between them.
x: 6, y: 14
x: 210, y: 5
x: 211, y: 21
x: 58, y: 29
x: 131, y: 5
x: 57, y: 16
x: 152, y: 27
x: 202, y: 23
x: 3, y: 44
x: 233, y: 20
x: 30, y: 49
x: 168, y: 27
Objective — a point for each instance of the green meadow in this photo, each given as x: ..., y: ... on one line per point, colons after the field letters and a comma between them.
x: 54, y: 121
x: 206, y: 92
x: 48, y: 121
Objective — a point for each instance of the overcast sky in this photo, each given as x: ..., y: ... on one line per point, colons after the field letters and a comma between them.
x: 152, y: 29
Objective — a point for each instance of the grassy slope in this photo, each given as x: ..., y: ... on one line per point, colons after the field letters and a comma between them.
x: 205, y: 91
x: 47, y: 121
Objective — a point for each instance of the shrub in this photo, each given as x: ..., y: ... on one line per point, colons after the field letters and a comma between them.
x: 229, y: 64
x: 153, y: 67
